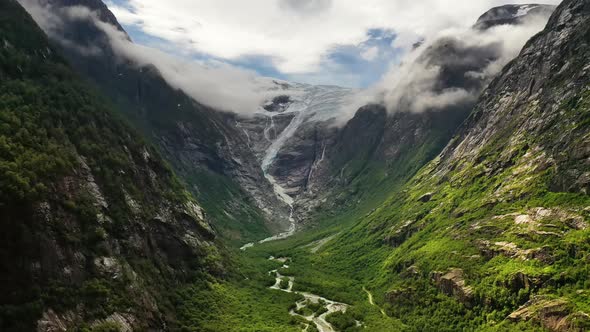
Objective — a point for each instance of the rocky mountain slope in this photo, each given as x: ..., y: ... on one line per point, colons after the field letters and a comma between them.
x: 204, y: 146
x: 291, y: 133
x: 318, y: 163
x: 96, y: 229
x: 269, y: 172
x: 496, y: 228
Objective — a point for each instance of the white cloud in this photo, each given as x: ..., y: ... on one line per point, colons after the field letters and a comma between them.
x: 370, y: 53
x: 417, y: 84
x: 294, y: 33
x: 409, y: 86
x: 218, y: 85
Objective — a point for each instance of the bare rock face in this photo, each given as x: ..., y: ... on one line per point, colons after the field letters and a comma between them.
x: 400, y: 233
x: 521, y: 280
x: 278, y: 104
x: 524, y: 101
x: 492, y: 249
x: 296, y: 162
x: 553, y: 314
x: 123, y: 321
x: 400, y: 295
x: 51, y: 322
x: 291, y: 136
x: 425, y: 198
x: 452, y: 283
x: 320, y: 162
x: 260, y: 131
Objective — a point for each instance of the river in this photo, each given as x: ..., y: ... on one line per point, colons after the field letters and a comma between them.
x: 319, y: 321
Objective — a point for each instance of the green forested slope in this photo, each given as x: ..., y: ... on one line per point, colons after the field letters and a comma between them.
x: 207, y: 153
x: 95, y: 230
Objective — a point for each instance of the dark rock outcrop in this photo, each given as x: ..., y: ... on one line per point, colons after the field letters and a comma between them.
x: 278, y: 104
x: 554, y: 314
x: 452, y: 283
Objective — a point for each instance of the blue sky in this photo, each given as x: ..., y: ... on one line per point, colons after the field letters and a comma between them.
x: 338, y: 42
x: 343, y: 64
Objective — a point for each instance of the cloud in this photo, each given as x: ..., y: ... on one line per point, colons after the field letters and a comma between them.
x: 296, y: 34
x: 451, y: 67
x: 306, y: 7
x: 216, y: 84
x: 370, y: 53
x: 448, y: 70
x: 51, y: 23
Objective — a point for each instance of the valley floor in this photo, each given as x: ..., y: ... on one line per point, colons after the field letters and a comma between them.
x: 285, y: 285
x: 281, y: 289
x: 306, y: 283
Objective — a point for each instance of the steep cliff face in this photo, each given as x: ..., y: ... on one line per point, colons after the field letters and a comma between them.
x: 499, y: 221
x: 210, y: 154
x: 95, y: 228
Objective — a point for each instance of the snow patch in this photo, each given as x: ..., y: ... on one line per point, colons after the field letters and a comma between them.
x: 524, y: 10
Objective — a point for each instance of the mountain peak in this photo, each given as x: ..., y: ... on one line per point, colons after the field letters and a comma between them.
x: 512, y: 14
x: 96, y: 6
